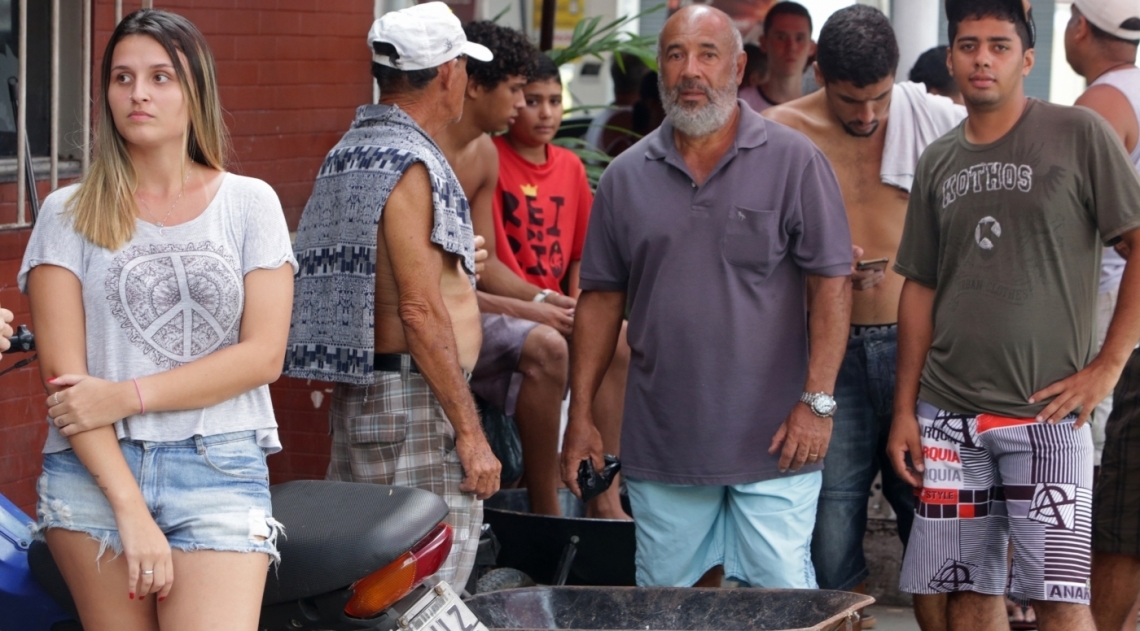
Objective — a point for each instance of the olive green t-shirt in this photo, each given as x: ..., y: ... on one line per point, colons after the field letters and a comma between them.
x: 1009, y: 235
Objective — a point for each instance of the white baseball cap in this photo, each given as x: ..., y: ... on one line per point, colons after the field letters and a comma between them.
x: 424, y: 36
x: 1115, y: 17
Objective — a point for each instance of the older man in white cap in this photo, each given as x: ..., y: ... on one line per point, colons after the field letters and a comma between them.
x: 1101, y: 40
x: 385, y: 300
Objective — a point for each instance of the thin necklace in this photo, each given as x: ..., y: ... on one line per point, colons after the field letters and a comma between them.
x: 162, y: 224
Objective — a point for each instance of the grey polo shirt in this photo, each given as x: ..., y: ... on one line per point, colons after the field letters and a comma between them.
x: 715, y: 279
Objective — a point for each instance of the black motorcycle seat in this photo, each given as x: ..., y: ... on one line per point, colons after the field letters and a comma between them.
x: 336, y: 533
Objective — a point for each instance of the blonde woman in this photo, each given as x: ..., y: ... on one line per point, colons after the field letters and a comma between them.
x: 160, y: 291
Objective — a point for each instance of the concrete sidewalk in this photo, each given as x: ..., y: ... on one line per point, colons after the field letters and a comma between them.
x: 893, y: 618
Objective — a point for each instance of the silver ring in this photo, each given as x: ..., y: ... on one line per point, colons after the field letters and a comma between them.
x: 148, y: 572
x: 815, y: 455
x: 55, y: 399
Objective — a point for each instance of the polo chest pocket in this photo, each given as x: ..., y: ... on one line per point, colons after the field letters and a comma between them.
x: 752, y: 239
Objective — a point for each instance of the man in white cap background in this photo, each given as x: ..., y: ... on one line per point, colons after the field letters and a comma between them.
x: 385, y: 300
x: 1100, y: 44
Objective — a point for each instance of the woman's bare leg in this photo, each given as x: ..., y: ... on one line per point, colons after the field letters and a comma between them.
x: 220, y: 591
x: 99, y: 588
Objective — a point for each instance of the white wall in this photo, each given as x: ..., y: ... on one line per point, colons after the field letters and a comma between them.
x: 1065, y: 85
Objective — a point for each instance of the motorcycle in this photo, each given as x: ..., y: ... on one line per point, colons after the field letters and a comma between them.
x: 353, y: 556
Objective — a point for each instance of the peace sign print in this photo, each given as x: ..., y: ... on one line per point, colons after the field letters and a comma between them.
x: 178, y: 302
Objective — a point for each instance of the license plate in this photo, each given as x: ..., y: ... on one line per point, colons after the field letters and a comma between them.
x: 442, y: 610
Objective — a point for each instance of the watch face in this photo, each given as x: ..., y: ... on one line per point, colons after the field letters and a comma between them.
x: 824, y: 405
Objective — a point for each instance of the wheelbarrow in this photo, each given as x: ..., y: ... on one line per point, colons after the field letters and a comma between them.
x: 570, y: 549
x: 668, y: 609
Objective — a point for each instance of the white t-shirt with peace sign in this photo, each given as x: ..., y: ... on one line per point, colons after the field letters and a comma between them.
x: 169, y: 297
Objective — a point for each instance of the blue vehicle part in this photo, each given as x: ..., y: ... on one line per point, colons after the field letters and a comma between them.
x: 24, y: 605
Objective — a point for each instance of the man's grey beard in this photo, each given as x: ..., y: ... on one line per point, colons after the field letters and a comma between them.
x: 698, y: 121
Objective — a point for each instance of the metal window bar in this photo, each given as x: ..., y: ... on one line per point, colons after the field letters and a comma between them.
x: 22, y: 161
x: 55, y: 85
x: 22, y: 115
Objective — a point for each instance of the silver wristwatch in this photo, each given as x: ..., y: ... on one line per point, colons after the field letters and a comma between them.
x: 822, y: 404
x: 542, y: 295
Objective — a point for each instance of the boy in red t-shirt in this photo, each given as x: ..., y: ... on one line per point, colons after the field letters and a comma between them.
x: 540, y: 211
x: 542, y: 202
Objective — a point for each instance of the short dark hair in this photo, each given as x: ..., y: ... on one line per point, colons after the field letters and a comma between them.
x: 857, y: 45
x: 544, y: 69
x: 785, y: 8
x: 390, y: 80
x: 931, y: 70
x: 757, y: 59
x: 514, y: 54
x: 627, y: 77
x: 958, y: 11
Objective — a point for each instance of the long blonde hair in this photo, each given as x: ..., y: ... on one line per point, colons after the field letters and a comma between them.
x: 104, y: 206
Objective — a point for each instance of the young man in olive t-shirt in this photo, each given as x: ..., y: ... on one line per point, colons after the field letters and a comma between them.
x: 997, y: 374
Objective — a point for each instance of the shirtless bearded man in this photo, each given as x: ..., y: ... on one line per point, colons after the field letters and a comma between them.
x: 848, y: 121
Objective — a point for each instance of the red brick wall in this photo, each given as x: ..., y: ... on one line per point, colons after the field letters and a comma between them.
x: 292, y: 73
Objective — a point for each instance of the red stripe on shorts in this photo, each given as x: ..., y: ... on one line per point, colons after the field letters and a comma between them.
x: 987, y: 422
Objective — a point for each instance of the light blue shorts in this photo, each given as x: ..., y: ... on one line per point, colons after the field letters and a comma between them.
x: 759, y: 532
x: 205, y: 493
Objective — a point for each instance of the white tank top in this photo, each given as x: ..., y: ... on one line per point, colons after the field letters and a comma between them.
x: 1127, y: 80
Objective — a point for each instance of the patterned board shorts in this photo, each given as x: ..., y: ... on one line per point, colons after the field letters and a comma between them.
x: 1116, y: 501
x: 395, y: 432
x: 990, y: 479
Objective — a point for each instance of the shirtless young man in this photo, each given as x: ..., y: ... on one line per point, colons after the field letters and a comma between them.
x: 850, y: 120
x: 399, y: 337
x: 524, y: 361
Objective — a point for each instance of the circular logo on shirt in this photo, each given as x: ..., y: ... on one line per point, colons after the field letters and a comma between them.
x: 179, y: 302
x: 987, y: 233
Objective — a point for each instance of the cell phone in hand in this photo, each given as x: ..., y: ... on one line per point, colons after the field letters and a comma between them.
x: 878, y: 265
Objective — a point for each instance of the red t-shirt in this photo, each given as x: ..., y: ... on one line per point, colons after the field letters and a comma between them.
x: 540, y: 211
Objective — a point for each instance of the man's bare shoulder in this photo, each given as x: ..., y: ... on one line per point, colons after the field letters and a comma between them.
x: 806, y: 114
x: 487, y: 156
x: 1108, y: 101
x: 414, y: 186
x: 476, y: 165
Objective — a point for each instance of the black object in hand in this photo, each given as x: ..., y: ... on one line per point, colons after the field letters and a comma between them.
x: 593, y: 483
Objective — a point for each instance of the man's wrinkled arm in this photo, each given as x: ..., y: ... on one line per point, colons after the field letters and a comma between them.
x: 417, y: 265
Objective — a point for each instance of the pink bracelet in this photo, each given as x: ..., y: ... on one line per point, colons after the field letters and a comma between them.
x: 142, y: 406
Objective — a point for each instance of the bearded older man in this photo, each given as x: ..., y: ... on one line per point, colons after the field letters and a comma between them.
x: 722, y: 231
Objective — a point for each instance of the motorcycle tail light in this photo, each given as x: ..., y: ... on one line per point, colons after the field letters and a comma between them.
x: 381, y: 589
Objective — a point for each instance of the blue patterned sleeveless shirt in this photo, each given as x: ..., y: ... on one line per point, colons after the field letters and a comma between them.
x: 331, y: 337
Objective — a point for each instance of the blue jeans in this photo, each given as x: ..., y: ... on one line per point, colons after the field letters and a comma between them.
x: 865, y: 393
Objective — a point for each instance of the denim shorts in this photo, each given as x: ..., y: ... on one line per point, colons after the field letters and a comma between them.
x: 205, y: 493
x: 760, y: 532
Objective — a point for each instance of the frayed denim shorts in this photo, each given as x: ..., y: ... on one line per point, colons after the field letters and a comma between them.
x: 205, y: 493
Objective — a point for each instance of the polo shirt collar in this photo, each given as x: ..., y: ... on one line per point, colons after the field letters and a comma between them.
x: 751, y: 132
